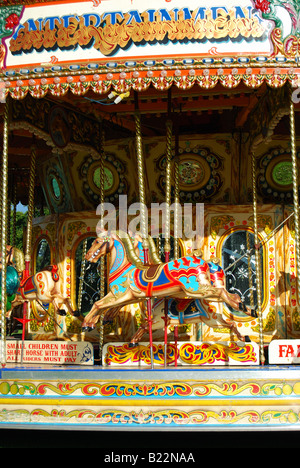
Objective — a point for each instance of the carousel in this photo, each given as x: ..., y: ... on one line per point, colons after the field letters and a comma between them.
x: 156, y: 150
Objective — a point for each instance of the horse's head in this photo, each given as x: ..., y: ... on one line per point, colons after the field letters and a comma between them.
x: 101, y: 246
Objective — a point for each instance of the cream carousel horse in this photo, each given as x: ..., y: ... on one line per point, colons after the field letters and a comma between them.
x: 44, y: 287
x: 130, y: 281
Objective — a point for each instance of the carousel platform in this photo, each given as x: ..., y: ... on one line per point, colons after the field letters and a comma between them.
x: 169, y: 399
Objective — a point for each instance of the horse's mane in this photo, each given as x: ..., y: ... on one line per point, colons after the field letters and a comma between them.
x: 19, y: 259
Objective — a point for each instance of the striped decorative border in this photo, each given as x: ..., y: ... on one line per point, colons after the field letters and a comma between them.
x: 151, y: 405
x: 58, y: 83
x: 27, y: 389
x: 162, y: 418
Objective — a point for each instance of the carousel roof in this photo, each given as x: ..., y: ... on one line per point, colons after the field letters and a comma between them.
x: 216, y: 82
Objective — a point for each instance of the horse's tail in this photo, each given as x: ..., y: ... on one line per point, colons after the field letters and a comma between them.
x: 12, y: 280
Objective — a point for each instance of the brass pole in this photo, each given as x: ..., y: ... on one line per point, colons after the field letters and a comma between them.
x: 144, y: 222
x: 295, y: 193
x: 249, y: 268
x: 141, y: 182
x: 167, y: 245
x: 30, y: 210
x: 82, y: 271
x: 257, y: 261
x: 101, y: 185
x: 102, y: 261
x: 4, y: 233
x: 176, y: 214
x: 29, y: 235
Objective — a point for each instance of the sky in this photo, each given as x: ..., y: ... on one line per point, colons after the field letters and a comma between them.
x: 21, y: 208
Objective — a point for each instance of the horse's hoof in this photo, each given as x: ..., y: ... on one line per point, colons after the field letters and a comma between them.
x: 132, y: 345
x: 247, y: 339
x: 76, y: 313
x: 62, y: 312
x: 242, y: 307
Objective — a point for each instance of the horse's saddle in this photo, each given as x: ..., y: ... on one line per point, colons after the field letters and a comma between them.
x: 152, y: 272
x: 186, y: 310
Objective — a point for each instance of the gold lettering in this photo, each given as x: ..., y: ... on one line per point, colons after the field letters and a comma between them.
x: 108, y: 38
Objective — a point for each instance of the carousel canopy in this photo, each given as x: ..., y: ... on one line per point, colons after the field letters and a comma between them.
x: 212, y: 68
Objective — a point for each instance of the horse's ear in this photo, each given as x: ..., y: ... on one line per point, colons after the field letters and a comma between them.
x: 101, y: 232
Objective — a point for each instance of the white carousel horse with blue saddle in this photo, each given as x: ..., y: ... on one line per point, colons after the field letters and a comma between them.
x: 130, y: 281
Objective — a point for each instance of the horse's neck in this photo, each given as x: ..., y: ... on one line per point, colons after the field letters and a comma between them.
x: 119, y: 257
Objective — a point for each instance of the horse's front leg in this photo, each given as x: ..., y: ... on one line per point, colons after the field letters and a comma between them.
x: 66, y: 302
x: 232, y: 300
x: 55, y: 304
x: 93, y: 316
x: 236, y: 303
x: 220, y: 321
x: 105, y: 303
x: 139, y: 334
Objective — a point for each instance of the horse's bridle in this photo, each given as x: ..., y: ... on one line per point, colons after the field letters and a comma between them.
x: 107, y: 247
x: 9, y: 255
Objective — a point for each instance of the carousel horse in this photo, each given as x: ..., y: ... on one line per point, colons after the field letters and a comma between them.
x: 186, y: 310
x: 44, y: 286
x: 131, y: 281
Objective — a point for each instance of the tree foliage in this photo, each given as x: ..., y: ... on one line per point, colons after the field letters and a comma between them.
x: 21, y: 224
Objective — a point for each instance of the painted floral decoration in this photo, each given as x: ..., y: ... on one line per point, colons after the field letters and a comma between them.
x: 262, y: 5
x: 11, y: 21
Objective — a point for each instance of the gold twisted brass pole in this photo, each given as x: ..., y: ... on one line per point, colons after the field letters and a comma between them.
x: 141, y: 182
x: 82, y: 271
x: 167, y: 246
x: 29, y: 234
x: 144, y: 220
x: 295, y: 193
x: 176, y: 210
x: 257, y: 261
x: 102, y: 261
x: 4, y: 232
x: 30, y: 209
x: 249, y: 268
x: 101, y: 185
